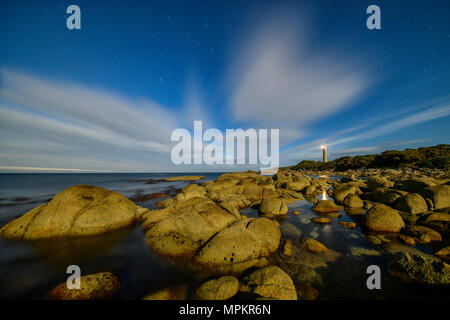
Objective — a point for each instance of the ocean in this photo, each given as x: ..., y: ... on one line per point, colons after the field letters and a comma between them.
x: 30, y: 269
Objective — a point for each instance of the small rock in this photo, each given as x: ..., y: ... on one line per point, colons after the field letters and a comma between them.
x: 408, y: 240
x: 295, y: 212
x: 312, y: 245
x: 443, y: 253
x: 347, y: 224
x: 321, y: 220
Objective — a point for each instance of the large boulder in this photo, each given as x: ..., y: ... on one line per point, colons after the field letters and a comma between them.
x: 96, y: 286
x: 180, y: 229
x: 242, y: 245
x: 415, y: 184
x: 273, y: 207
x: 340, y: 193
x: 381, y: 218
x: 439, y: 195
x: 419, y: 267
x: 353, y: 201
x: 377, y: 182
x: 412, y: 203
x: 80, y: 210
x: 270, y: 282
x: 222, y: 288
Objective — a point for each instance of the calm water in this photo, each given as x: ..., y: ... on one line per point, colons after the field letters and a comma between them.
x: 31, y: 269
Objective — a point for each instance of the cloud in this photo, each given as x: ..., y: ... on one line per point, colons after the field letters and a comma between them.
x: 280, y: 82
x: 49, y: 123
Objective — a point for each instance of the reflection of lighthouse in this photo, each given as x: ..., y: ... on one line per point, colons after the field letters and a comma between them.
x: 324, y: 150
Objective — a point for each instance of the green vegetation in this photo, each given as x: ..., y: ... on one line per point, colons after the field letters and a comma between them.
x: 426, y: 157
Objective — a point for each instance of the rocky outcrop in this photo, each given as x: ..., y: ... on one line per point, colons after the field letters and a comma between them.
x: 81, y: 210
x: 96, y: 286
x: 269, y: 282
x: 381, y: 218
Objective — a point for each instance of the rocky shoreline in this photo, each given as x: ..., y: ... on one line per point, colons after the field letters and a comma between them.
x: 202, y: 229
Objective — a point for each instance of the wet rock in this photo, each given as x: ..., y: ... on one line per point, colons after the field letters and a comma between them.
x: 170, y: 293
x: 287, y: 248
x: 423, y: 234
x: 81, y: 210
x: 359, y: 252
x: 273, y: 207
x: 312, y: 245
x: 407, y: 239
x: 321, y: 220
x: 382, y: 218
x: 347, y: 224
x: 325, y: 206
x: 439, y: 195
x: 295, y: 212
x: 353, y: 201
x: 411, y: 203
x: 270, y: 282
x: 418, y: 267
x: 96, y: 286
x: 222, y: 288
x: 443, y: 253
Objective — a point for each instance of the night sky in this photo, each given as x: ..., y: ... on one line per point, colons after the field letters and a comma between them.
x: 108, y: 96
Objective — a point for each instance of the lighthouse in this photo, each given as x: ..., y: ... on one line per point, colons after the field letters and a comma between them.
x: 324, y: 151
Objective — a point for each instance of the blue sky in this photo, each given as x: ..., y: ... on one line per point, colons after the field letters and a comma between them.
x: 108, y: 96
